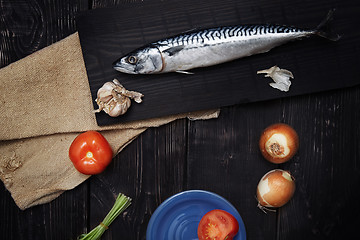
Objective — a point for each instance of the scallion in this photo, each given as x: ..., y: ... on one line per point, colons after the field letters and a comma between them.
x: 121, y: 203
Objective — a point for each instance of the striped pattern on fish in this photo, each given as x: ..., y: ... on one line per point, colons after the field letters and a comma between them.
x: 212, y: 46
x: 223, y: 33
x: 218, y: 45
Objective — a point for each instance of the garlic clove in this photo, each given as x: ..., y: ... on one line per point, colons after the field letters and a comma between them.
x: 119, y: 108
x: 281, y: 77
x: 281, y: 86
x: 131, y: 94
x: 135, y: 95
x: 104, y: 94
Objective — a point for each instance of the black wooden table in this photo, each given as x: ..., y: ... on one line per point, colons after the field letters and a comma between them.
x: 219, y: 155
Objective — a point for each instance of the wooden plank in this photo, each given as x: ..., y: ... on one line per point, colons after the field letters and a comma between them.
x: 224, y: 158
x: 328, y: 160
x: 64, y: 218
x: 149, y: 170
x: 107, y: 34
x: 155, y: 165
x: 27, y: 26
x: 326, y: 169
x: 216, y: 153
x: 322, y: 207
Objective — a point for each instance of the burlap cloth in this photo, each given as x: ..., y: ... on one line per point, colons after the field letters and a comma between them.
x: 45, y: 103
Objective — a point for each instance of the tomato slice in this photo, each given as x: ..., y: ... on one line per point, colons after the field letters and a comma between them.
x: 217, y: 225
x: 90, y: 153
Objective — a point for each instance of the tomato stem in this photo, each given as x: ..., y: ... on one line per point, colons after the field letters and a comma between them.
x: 89, y: 155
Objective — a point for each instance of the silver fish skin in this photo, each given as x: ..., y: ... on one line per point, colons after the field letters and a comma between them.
x: 209, y: 47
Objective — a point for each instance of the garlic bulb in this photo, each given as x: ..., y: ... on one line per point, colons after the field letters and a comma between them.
x: 114, y: 99
x: 281, y: 77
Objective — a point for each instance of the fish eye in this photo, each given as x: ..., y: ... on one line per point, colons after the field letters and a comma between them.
x: 132, y: 59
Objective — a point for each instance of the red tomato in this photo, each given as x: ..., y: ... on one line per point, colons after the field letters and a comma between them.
x: 217, y: 225
x: 90, y: 153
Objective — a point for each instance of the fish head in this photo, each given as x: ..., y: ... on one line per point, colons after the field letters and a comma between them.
x: 146, y: 60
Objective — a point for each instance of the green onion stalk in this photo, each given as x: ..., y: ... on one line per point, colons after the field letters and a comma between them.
x: 121, y: 203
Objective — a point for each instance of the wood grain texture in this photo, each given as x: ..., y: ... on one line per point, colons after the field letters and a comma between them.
x: 326, y: 169
x: 149, y: 170
x: 219, y: 155
x: 27, y: 26
x: 64, y: 218
x: 224, y: 158
x: 110, y: 3
x: 107, y: 34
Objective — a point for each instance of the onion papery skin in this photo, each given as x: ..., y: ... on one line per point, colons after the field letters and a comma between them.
x: 279, y: 143
x: 275, y: 188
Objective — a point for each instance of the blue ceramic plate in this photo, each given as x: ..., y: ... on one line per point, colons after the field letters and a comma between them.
x: 177, y: 218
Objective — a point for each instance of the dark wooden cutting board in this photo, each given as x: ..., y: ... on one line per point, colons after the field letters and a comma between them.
x: 317, y: 64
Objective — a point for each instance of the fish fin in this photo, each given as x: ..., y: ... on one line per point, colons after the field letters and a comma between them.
x: 184, y: 72
x: 324, y: 30
x: 174, y: 50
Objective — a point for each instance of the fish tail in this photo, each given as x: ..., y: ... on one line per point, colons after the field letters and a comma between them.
x: 324, y: 30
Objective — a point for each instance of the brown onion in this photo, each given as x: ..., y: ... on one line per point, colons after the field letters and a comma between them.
x: 275, y: 189
x: 278, y: 143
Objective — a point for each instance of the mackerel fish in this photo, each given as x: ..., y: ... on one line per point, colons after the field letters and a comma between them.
x: 213, y: 46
